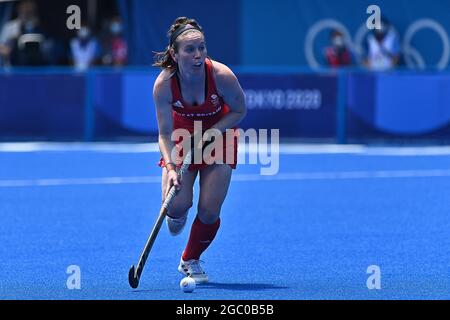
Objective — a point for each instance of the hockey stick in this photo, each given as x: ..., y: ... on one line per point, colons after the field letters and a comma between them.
x: 134, y: 274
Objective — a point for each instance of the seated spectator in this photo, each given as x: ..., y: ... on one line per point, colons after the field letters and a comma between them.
x: 22, y: 41
x: 115, y: 49
x: 84, y: 49
x: 337, y: 55
x: 383, y: 48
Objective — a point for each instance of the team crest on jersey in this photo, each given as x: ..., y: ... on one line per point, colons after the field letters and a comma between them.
x: 215, y: 100
x: 178, y: 104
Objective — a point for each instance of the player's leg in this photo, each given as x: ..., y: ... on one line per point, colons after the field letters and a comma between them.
x: 214, y: 183
x: 177, y: 215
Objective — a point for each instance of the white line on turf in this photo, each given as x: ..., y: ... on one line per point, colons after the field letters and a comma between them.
x: 294, y: 176
x: 24, y: 147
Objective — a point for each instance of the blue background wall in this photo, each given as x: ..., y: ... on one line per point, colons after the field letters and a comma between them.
x: 148, y: 21
x: 274, y: 32
x: 59, y: 106
x: 264, y: 33
x: 267, y: 32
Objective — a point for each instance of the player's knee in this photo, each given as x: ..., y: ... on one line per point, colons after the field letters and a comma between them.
x: 208, y: 216
x: 178, y: 210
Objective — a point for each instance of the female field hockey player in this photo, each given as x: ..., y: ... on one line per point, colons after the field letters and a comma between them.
x: 192, y: 87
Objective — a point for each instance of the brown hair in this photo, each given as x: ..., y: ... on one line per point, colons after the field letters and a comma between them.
x: 164, y: 59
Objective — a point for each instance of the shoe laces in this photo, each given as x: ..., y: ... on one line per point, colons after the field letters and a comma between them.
x: 195, y: 266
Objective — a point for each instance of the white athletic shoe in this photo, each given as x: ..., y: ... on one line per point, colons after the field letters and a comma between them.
x: 193, y: 269
x: 176, y: 225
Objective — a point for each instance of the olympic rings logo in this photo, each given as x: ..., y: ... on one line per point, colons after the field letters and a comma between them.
x: 412, y: 56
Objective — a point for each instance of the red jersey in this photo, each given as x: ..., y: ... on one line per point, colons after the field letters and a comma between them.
x: 209, y: 112
x: 336, y: 58
x: 119, y: 50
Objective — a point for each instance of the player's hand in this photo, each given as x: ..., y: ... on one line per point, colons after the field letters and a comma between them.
x: 173, y: 180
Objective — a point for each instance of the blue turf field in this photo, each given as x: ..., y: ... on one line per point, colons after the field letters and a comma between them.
x: 308, y: 233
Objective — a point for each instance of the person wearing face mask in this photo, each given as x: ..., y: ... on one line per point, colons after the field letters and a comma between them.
x: 337, y: 54
x: 84, y: 49
x: 383, y: 48
x: 22, y: 39
x: 115, y: 47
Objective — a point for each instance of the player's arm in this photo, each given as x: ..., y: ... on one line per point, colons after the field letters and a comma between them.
x: 162, y: 99
x: 233, y: 95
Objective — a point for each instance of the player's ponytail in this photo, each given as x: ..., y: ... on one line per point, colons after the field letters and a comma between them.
x: 164, y: 59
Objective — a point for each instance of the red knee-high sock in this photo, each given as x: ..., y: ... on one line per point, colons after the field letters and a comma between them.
x: 200, y: 238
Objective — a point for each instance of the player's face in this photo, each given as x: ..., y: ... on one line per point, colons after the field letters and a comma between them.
x: 191, y: 53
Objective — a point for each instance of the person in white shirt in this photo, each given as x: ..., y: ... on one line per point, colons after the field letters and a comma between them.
x: 27, y: 23
x: 383, y: 48
x: 84, y: 49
